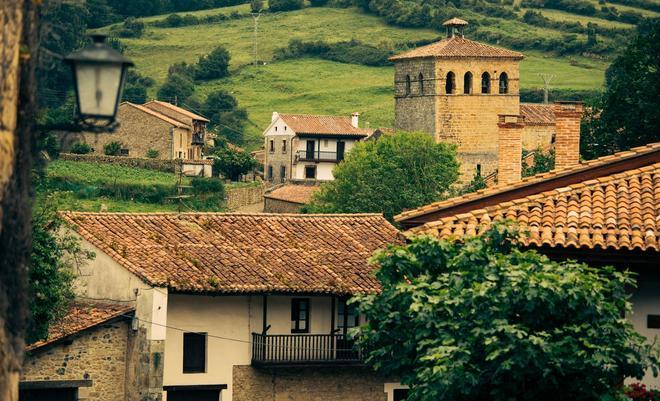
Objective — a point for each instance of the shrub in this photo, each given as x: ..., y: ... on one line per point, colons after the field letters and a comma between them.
x: 285, y: 5
x: 81, y: 148
x: 50, y: 144
x: 153, y: 153
x: 131, y: 28
x: 177, y: 86
x: 639, y: 392
x: 112, y: 148
x: 232, y: 162
x: 213, y: 65
x: 172, y: 21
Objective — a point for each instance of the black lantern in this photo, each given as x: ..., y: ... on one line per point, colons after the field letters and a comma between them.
x: 99, y: 72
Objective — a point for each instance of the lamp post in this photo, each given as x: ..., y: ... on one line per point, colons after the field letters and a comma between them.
x: 99, y: 73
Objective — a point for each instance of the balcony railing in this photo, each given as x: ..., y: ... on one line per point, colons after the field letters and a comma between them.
x: 303, y: 349
x: 198, y: 139
x: 318, y: 156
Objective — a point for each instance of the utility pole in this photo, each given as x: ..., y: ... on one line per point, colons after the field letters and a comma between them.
x: 255, y: 17
x: 546, y: 86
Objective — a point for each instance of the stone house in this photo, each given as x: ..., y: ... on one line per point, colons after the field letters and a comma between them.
x: 84, y: 357
x: 173, y: 132
x: 308, y: 147
x: 239, y: 306
x: 601, y: 212
x: 455, y: 89
x: 288, y: 198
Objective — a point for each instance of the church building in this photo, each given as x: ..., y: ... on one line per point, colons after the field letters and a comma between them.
x: 458, y: 90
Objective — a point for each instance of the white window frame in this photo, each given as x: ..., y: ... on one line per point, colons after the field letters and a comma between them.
x: 390, y: 387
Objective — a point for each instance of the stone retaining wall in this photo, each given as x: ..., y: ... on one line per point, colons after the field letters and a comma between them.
x: 244, y: 196
x: 167, y: 166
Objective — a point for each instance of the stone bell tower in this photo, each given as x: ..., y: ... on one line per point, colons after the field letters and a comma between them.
x: 455, y: 89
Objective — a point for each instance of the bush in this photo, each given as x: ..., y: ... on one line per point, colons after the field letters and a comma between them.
x: 112, y: 148
x: 50, y: 144
x: 285, y: 5
x: 352, y: 52
x: 152, y: 153
x: 171, y: 21
x: 639, y: 392
x: 131, y: 28
x: 213, y: 65
x: 81, y: 148
x: 231, y: 163
x: 177, y: 86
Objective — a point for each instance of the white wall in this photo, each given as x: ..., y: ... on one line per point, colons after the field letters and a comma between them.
x: 646, y: 301
x: 323, y: 169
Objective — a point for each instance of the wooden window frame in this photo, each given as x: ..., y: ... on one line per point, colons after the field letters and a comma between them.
x: 187, y: 369
x: 295, y: 315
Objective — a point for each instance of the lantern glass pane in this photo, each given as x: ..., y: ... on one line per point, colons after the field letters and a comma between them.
x: 98, y: 86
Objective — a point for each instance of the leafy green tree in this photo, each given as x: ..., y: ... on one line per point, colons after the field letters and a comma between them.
x: 543, y: 162
x: 214, y: 65
x: 483, y: 319
x: 629, y: 112
x: 226, y: 118
x: 177, y: 87
x: 54, y: 255
x: 394, y: 173
x: 285, y: 5
x: 232, y: 162
x: 478, y: 182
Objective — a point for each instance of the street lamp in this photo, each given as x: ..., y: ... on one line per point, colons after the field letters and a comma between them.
x: 99, y: 72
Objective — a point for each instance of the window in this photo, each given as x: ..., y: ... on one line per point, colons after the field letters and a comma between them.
x: 653, y: 321
x: 347, y: 313
x: 310, y: 172
x: 276, y: 128
x: 467, y: 83
x: 284, y: 146
x: 400, y: 394
x: 300, y: 315
x: 407, y: 85
x: 272, y: 146
x: 282, y: 173
x: 485, y: 82
x: 123, y: 152
x: 421, y: 84
x: 270, y: 172
x: 194, y: 352
x: 504, y: 83
x: 450, y: 83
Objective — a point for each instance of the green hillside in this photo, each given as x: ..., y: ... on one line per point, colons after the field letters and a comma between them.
x: 326, y: 87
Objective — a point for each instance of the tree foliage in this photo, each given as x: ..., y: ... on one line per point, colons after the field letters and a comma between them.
x: 177, y: 88
x: 542, y: 162
x: 285, y: 5
x: 485, y: 320
x: 231, y: 162
x: 393, y: 173
x: 226, y: 118
x: 629, y: 112
x: 213, y: 65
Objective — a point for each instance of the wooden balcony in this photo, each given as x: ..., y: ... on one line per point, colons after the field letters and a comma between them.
x: 303, y: 350
x: 318, y: 156
x: 198, y: 139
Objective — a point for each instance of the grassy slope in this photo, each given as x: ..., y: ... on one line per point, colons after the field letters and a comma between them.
x: 318, y: 86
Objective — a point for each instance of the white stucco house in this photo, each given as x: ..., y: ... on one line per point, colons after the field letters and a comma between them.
x: 308, y: 147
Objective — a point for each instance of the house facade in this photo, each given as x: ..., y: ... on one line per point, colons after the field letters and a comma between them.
x: 603, y: 212
x: 455, y: 89
x: 240, y: 307
x: 308, y: 147
x: 173, y: 132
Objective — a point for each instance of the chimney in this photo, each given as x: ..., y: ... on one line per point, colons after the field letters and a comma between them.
x: 509, y: 148
x: 567, y: 137
x: 274, y: 117
x: 354, y: 119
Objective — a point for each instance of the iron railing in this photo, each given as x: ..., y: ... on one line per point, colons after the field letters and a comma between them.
x: 198, y: 139
x: 303, y: 349
x: 318, y: 156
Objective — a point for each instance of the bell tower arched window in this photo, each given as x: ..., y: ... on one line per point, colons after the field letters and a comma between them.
x: 467, y: 83
x: 504, y: 83
x: 421, y: 84
x: 485, y: 82
x: 450, y: 83
x: 408, y: 85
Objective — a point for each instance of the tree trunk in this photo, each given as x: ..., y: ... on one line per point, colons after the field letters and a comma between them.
x: 18, y: 41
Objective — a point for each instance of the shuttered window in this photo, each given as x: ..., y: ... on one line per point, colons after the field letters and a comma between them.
x: 194, y: 352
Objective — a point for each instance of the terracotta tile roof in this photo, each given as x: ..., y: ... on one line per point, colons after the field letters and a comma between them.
x: 293, y: 193
x: 619, y: 211
x: 157, y: 115
x: 241, y: 253
x: 325, y: 125
x: 537, y: 114
x: 81, y: 316
x: 177, y: 109
x: 458, y: 47
x: 642, y: 156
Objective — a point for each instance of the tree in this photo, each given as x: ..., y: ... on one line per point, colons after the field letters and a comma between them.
x: 394, y: 173
x: 177, y: 87
x: 135, y: 89
x: 542, y: 162
x: 225, y: 116
x: 232, y: 162
x: 285, y: 5
x: 483, y: 319
x: 629, y: 113
x: 214, y: 65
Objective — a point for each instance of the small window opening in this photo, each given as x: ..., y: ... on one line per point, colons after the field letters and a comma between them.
x: 194, y: 352
x: 504, y: 83
x: 408, y: 85
x: 284, y: 145
x: 272, y: 145
x: 310, y: 172
x: 467, y: 83
x: 485, y: 82
x: 300, y: 315
x: 478, y: 170
x: 270, y: 172
x: 450, y: 83
x: 421, y: 84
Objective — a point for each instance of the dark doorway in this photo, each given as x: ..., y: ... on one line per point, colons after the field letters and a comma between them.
x: 341, y: 147
x: 309, y: 153
x: 48, y: 394
x: 400, y: 394
x: 193, y: 395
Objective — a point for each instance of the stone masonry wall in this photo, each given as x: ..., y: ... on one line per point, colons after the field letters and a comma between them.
x: 280, y: 206
x: 244, y: 196
x: 278, y: 158
x: 138, y: 132
x: 168, y: 166
x: 98, y: 355
x: 300, y: 384
x: 537, y: 136
x: 414, y: 111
